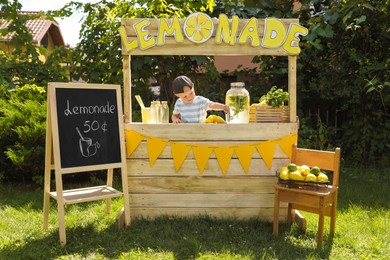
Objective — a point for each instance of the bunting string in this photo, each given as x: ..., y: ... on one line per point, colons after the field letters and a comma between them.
x: 202, y: 153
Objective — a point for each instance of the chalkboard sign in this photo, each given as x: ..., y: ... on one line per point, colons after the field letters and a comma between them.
x: 88, y: 125
x: 84, y: 132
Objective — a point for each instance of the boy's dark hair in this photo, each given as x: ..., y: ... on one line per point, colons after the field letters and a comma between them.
x: 180, y: 82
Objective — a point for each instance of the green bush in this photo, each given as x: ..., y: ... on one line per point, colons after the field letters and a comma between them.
x: 22, y: 135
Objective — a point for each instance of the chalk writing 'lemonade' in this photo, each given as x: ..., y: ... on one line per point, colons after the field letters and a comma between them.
x: 89, y: 110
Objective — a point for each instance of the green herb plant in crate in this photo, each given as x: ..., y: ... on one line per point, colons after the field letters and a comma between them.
x: 275, y: 97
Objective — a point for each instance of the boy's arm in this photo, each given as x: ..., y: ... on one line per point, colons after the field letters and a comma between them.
x: 219, y: 106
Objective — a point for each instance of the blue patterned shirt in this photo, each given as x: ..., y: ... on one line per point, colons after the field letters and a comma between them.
x: 195, y: 112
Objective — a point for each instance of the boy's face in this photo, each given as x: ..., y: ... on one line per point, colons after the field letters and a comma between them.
x: 187, y: 96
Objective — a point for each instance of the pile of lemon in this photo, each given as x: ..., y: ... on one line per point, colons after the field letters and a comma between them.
x: 214, y: 119
x: 302, y: 173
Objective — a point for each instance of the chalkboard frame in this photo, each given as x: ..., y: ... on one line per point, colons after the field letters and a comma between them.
x: 53, y: 160
x: 54, y: 87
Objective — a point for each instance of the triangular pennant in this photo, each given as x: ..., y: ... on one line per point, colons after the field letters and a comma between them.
x: 244, y: 153
x: 202, y: 154
x: 155, y: 147
x: 179, y: 153
x: 133, y: 139
x: 224, y: 155
x: 286, y: 143
x: 266, y: 150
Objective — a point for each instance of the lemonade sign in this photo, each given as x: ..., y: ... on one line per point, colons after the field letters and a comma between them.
x: 200, y: 28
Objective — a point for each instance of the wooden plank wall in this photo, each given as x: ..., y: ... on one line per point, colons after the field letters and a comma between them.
x: 160, y: 190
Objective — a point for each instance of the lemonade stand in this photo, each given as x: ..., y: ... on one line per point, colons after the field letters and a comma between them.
x: 222, y: 170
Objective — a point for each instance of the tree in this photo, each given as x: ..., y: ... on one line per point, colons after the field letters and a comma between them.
x: 98, y: 58
x: 23, y: 82
x: 22, y: 65
x: 345, y: 70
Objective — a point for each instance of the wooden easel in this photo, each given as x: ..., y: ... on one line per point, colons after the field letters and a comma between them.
x: 53, y: 162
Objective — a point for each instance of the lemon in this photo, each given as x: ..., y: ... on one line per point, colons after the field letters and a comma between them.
x: 296, y: 176
x: 322, y: 177
x: 284, y: 168
x: 311, y: 177
x: 292, y: 167
x: 209, y: 119
x: 263, y: 103
x: 218, y: 120
x: 315, y: 170
x: 305, y: 170
x: 284, y: 175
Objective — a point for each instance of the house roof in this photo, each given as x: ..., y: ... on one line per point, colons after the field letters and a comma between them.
x: 38, y: 28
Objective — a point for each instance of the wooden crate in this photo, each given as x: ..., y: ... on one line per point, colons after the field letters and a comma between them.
x: 258, y: 114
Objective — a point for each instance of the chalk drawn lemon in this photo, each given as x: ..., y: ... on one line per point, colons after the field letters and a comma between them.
x: 198, y: 27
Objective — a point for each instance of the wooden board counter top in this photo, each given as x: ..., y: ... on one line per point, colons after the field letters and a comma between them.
x: 160, y: 190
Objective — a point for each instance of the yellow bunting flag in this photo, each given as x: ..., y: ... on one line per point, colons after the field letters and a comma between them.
x: 224, y: 155
x: 286, y: 143
x: 133, y: 139
x: 179, y: 153
x: 202, y: 154
x: 155, y: 147
x: 266, y: 150
x: 244, y: 154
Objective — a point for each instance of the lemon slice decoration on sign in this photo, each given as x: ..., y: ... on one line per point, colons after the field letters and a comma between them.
x: 198, y: 27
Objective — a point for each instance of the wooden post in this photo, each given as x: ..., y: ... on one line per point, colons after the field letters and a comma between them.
x: 292, y: 89
x: 127, y: 88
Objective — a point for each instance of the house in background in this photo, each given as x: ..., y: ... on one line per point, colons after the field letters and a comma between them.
x: 45, y: 33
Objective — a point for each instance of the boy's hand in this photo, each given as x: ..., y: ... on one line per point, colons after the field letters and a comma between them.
x: 176, y: 119
x: 226, y: 109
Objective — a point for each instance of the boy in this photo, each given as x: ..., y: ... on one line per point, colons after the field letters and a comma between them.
x: 190, y: 108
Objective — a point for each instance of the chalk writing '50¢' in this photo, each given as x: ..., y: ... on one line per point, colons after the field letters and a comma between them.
x: 94, y: 126
x: 89, y: 110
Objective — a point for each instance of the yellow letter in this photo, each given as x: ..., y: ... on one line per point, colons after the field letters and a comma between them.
x: 224, y: 32
x: 274, y: 33
x: 291, y: 45
x: 250, y: 31
x: 145, y: 40
x: 164, y: 29
x: 128, y: 45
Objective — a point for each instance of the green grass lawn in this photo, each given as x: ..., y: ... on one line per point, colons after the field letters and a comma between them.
x: 362, y: 229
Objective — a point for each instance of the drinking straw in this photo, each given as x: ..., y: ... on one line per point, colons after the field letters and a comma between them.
x: 140, y: 102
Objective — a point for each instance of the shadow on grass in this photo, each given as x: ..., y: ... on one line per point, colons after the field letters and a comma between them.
x: 364, y: 187
x: 28, y: 196
x: 184, y: 238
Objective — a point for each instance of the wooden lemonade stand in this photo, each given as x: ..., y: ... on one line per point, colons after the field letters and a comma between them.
x: 222, y: 170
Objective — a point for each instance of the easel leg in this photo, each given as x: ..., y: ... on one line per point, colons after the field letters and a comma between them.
x: 48, y: 163
x: 46, y: 198
x: 61, y: 222
x: 60, y: 207
x: 110, y: 174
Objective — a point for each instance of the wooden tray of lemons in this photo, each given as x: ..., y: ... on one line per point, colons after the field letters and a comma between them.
x: 302, y: 175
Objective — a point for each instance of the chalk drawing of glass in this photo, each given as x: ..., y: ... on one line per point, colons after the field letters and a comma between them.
x: 87, y: 148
